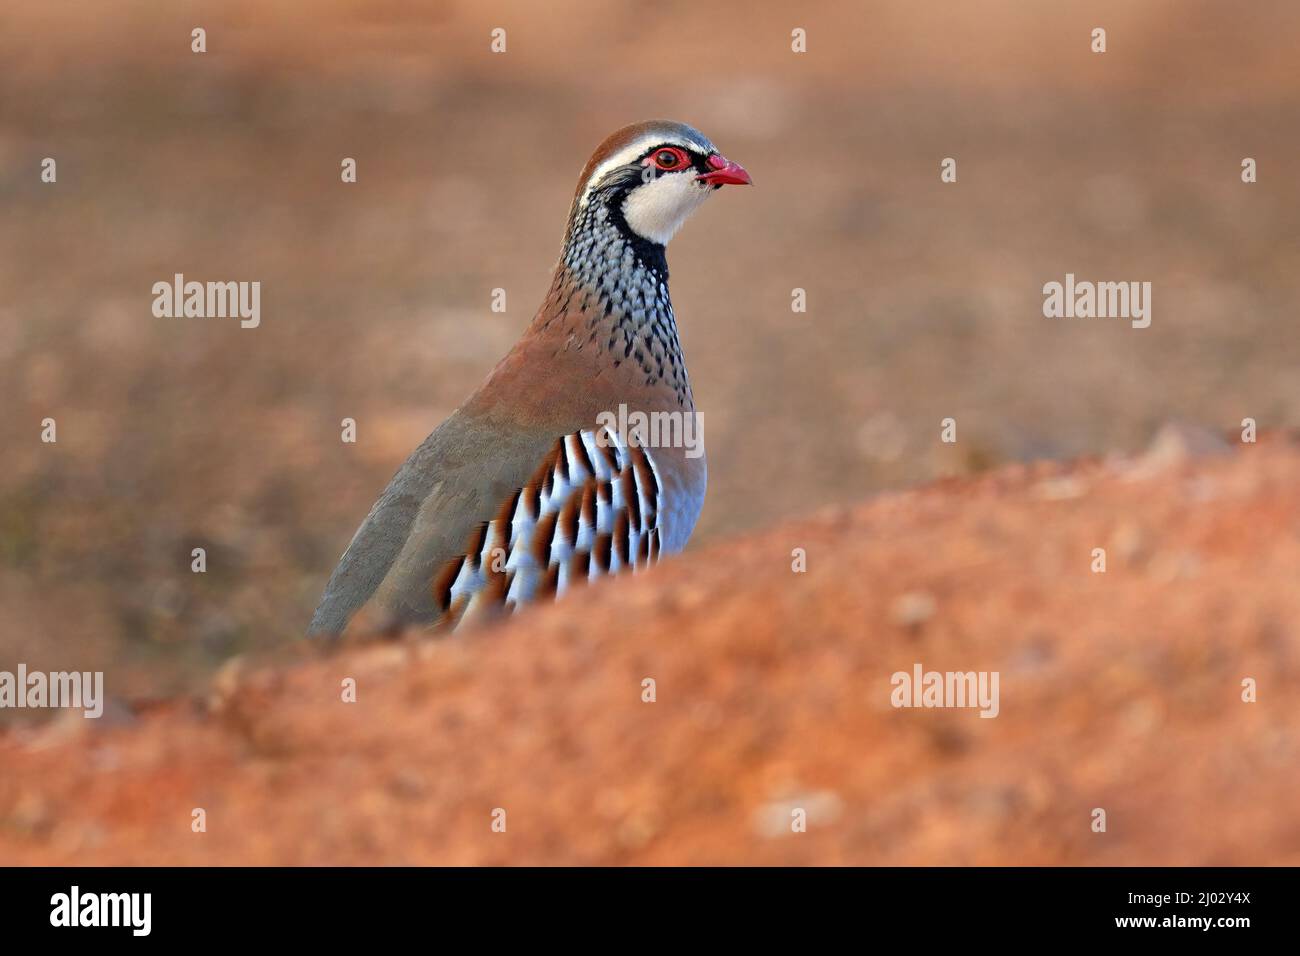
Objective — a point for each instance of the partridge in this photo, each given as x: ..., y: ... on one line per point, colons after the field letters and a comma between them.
x: 527, y: 491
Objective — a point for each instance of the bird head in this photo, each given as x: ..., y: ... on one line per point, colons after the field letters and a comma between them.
x: 649, y: 177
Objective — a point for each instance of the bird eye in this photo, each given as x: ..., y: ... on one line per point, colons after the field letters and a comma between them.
x: 670, y: 158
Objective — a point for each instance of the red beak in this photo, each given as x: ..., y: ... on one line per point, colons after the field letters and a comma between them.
x: 725, y: 173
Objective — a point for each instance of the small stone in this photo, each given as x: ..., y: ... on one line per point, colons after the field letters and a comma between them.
x: 226, y: 683
x: 775, y: 818
x: 913, y: 609
x: 1177, y: 443
x: 1060, y: 489
x: 1129, y: 542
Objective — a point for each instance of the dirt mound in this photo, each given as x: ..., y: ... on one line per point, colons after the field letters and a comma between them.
x: 1119, y: 690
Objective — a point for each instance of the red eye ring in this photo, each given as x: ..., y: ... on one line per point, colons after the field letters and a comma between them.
x: 669, y: 159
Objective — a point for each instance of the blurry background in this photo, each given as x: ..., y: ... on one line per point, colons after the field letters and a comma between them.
x: 924, y: 299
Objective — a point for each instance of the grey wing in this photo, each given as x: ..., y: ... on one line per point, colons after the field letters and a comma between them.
x: 453, y: 482
x: 378, y: 541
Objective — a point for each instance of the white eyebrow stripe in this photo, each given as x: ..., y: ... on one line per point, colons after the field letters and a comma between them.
x: 633, y: 151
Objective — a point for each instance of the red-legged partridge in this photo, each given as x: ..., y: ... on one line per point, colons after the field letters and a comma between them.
x: 529, y: 489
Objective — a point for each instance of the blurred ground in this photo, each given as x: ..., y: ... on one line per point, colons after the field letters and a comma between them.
x: 1119, y: 690
x: 924, y: 300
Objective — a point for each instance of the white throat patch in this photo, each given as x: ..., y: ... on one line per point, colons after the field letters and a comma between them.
x: 657, y: 209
